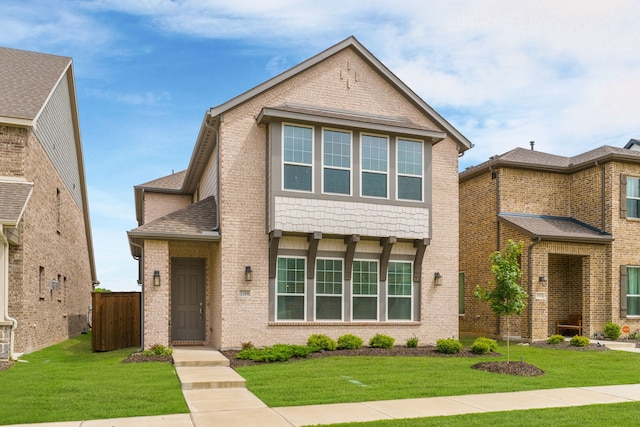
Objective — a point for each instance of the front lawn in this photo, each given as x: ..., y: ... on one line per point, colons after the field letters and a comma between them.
x: 67, y: 382
x: 359, y: 379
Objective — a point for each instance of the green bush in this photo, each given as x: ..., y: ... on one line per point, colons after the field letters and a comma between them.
x: 276, y: 353
x: 412, y: 342
x: 158, y: 350
x: 555, y: 339
x: 493, y: 344
x: 320, y: 342
x: 612, y: 330
x: 579, y: 341
x: 634, y: 335
x: 349, y: 342
x: 449, y: 346
x: 381, y: 341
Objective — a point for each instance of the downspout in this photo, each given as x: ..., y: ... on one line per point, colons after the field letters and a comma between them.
x: 141, y: 260
x: 5, y: 279
x: 216, y: 227
x: 530, y: 284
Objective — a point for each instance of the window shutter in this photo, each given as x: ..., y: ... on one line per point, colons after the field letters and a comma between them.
x: 623, y: 291
x: 623, y: 195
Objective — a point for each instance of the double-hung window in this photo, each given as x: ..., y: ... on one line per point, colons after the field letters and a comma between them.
x: 365, y: 290
x: 298, y: 158
x: 337, y: 161
x: 633, y: 291
x: 374, y: 162
x: 399, y: 291
x: 328, y: 289
x: 290, y: 292
x: 633, y: 197
x: 409, y: 159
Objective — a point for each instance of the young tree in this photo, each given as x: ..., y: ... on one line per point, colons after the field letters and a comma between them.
x: 507, y: 296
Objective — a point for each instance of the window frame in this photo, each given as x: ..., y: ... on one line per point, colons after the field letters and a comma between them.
x: 373, y: 171
x: 628, y: 197
x: 410, y: 297
x: 284, y: 162
x: 324, y: 166
x: 303, y: 294
x: 318, y: 294
x: 627, y: 285
x: 372, y: 296
x: 409, y: 175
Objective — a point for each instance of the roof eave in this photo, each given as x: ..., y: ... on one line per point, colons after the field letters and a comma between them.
x: 139, y: 237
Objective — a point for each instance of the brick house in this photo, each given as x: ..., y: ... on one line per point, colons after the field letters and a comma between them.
x: 46, y: 256
x: 579, y: 220
x: 324, y: 200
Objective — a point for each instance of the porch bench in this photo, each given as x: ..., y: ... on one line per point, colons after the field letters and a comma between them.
x: 574, y: 322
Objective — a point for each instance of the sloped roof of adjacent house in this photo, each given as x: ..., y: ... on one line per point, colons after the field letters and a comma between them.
x: 169, y: 182
x: 26, y: 82
x: 553, y: 228
x: 195, y: 222
x: 14, y: 193
x: 529, y: 159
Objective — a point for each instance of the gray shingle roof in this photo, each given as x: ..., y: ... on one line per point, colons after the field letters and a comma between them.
x: 195, y: 220
x: 169, y: 182
x: 14, y: 195
x: 555, y: 228
x: 26, y: 80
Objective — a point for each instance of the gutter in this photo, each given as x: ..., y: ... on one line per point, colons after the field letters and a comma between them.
x: 141, y: 260
x: 530, y: 285
x: 5, y: 279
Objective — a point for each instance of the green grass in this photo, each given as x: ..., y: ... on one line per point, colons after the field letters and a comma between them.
x: 332, y: 379
x: 67, y: 382
x: 616, y: 414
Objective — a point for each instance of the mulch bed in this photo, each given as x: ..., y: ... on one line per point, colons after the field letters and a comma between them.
x: 139, y: 358
x: 521, y: 369
x: 4, y: 365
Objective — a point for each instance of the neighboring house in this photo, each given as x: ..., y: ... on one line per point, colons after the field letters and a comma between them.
x: 46, y: 256
x: 324, y: 200
x: 579, y: 219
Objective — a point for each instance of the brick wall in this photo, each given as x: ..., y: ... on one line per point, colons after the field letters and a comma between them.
x: 157, y: 299
x: 157, y: 205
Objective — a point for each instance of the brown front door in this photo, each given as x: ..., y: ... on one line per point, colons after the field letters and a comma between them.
x: 187, y: 299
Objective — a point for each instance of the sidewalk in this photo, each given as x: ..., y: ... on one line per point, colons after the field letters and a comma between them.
x: 216, y: 396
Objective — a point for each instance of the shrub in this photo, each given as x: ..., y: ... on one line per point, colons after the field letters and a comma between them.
x: 480, y: 347
x: 634, y: 335
x: 555, y: 339
x: 246, y: 345
x: 349, y: 342
x: 612, y: 330
x: 320, y: 342
x: 579, y: 341
x: 449, y: 346
x: 412, y: 342
x: 381, y: 341
x: 158, y: 350
x: 276, y: 353
x: 493, y: 344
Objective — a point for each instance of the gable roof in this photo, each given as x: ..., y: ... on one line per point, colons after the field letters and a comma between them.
x: 27, y: 80
x: 633, y: 144
x: 195, y: 222
x: 14, y: 195
x: 207, y: 137
x: 529, y: 159
x: 555, y: 229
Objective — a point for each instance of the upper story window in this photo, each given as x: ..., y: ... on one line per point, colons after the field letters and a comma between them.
x: 633, y: 197
x: 410, y: 170
x: 336, y: 158
x: 298, y: 158
x: 374, y: 162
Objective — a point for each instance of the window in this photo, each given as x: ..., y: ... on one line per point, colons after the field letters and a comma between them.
x: 329, y: 289
x: 374, y: 166
x: 365, y: 290
x: 633, y: 197
x: 461, y: 292
x: 337, y: 161
x: 409, y: 170
x: 400, y: 285
x: 633, y: 291
x: 290, y: 289
x: 298, y: 158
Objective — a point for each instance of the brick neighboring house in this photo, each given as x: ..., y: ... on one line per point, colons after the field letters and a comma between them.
x: 324, y: 200
x: 46, y: 256
x: 579, y: 220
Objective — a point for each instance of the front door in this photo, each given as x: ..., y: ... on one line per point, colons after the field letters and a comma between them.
x: 187, y: 299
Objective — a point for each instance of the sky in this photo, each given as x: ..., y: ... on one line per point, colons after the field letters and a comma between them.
x: 565, y: 74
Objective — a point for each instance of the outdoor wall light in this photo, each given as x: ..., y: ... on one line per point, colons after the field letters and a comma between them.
x: 542, y: 280
x: 156, y: 278
x: 248, y: 273
x: 437, y: 279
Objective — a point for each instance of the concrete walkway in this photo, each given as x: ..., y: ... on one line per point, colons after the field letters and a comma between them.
x: 216, y: 396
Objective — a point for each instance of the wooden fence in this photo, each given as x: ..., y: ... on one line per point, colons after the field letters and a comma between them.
x: 116, y: 320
